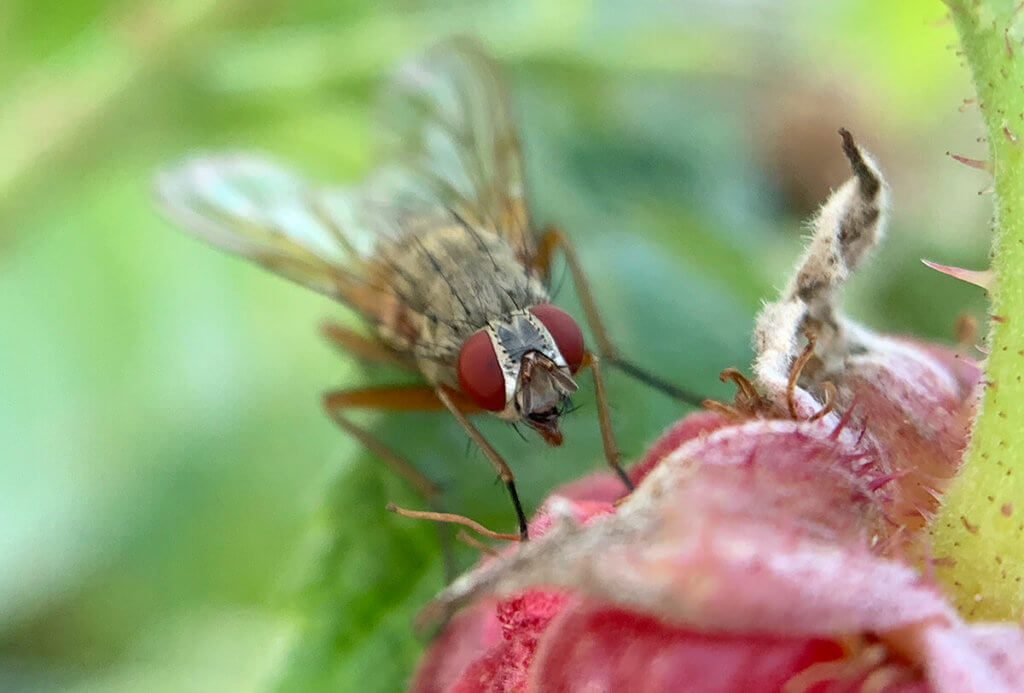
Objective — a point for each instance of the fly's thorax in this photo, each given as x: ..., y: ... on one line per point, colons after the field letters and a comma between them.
x: 450, y: 282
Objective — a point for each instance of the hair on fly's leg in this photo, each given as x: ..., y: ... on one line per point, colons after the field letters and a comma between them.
x: 515, y: 427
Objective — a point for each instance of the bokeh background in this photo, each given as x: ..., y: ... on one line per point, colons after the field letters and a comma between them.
x: 175, y: 511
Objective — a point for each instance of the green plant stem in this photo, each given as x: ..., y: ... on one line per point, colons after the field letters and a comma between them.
x: 981, y: 524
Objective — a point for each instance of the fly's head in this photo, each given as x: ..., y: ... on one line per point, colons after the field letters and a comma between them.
x: 521, y: 367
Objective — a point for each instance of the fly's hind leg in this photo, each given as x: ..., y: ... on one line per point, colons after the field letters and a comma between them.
x: 417, y: 398
x: 366, y: 349
x: 554, y: 239
x: 394, y: 399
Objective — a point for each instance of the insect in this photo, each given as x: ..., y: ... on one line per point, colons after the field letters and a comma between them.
x: 436, y: 252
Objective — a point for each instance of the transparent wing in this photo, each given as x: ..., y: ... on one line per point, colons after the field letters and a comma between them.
x: 454, y: 157
x: 253, y: 207
x: 451, y: 128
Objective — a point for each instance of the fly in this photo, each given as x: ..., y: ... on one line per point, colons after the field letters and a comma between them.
x: 435, y: 251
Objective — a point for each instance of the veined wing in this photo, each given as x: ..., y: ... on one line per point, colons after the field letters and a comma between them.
x: 253, y: 207
x: 455, y: 157
x: 451, y: 127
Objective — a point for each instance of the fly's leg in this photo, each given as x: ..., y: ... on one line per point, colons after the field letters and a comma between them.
x: 394, y: 399
x: 366, y: 349
x: 604, y: 418
x: 447, y: 397
x: 554, y: 239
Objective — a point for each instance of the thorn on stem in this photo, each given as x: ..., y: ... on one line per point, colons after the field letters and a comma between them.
x: 972, y: 528
x: 966, y: 331
x: 981, y: 278
x: 980, y: 164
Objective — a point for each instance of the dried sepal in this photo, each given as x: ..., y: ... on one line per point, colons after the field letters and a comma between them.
x: 913, y: 402
x: 848, y: 226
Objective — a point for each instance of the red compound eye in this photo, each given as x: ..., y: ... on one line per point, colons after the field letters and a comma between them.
x: 567, y: 334
x: 480, y: 374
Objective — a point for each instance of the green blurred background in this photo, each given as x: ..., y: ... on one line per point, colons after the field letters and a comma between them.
x: 175, y: 511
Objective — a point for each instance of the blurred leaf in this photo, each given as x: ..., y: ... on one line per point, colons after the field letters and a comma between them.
x: 369, y: 573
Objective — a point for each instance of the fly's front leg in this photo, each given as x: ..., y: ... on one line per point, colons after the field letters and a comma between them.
x: 448, y: 398
x: 554, y: 239
x: 604, y: 418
